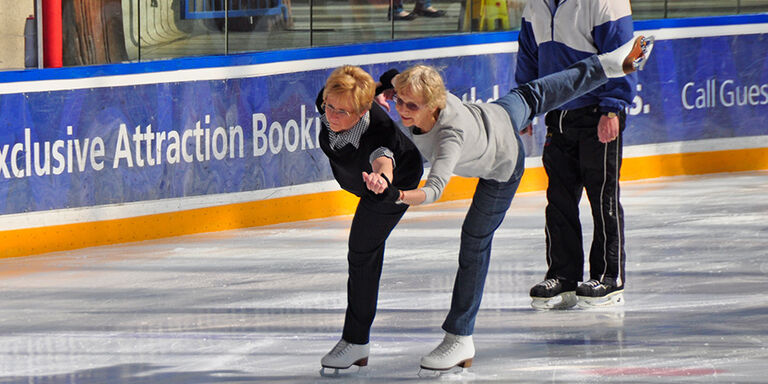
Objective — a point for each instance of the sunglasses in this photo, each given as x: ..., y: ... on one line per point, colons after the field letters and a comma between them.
x: 413, y: 107
x: 330, y: 109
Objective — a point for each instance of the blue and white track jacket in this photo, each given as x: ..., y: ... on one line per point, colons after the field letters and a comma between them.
x: 552, y: 38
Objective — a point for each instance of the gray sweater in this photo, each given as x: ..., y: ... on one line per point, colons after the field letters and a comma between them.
x: 469, y: 140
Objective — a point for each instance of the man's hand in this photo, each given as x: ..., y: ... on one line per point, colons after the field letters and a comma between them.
x: 608, y: 129
x: 382, y: 101
x: 527, y: 130
x: 381, y: 98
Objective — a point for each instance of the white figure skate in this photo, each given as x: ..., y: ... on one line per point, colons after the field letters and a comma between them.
x: 453, y: 351
x: 343, y: 356
x: 628, y: 58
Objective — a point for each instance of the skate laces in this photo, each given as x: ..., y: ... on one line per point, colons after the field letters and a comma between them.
x: 340, y: 349
x: 549, y: 283
x: 593, y: 283
x: 446, y: 347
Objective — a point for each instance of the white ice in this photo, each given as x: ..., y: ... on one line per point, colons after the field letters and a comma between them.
x: 264, y: 304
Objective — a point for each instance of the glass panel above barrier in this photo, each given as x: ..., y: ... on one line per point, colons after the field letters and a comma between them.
x: 180, y: 28
x: 422, y: 18
x: 663, y: 9
x: 131, y: 34
x: 92, y: 32
x: 114, y: 31
x: 440, y: 17
x: 18, y: 36
x: 678, y: 9
x: 649, y: 9
x: 751, y: 6
x: 266, y: 25
x: 335, y: 22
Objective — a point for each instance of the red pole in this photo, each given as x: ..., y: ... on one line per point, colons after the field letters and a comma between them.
x: 53, y: 41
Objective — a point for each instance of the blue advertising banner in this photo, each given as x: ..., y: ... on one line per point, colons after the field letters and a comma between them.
x: 702, y: 88
x: 112, y: 145
x: 97, y: 146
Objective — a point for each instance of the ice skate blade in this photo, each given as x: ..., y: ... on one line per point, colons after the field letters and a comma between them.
x: 341, y: 371
x: 461, y: 367
x: 461, y: 364
x: 562, y: 301
x: 614, y: 299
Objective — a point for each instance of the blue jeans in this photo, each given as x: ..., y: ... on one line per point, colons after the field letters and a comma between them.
x: 487, y: 211
x: 492, y: 198
x: 549, y: 92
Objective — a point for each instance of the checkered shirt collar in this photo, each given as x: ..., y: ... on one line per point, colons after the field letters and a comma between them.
x: 338, y: 140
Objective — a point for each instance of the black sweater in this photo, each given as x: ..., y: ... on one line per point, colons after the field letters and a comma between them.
x: 348, y: 163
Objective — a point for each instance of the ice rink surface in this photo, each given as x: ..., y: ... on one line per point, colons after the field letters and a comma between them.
x: 264, y: 304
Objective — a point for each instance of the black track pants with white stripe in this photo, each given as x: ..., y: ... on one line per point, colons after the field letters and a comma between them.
x: 575, y: 159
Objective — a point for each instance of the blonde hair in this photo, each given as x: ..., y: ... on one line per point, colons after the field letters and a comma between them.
x: 354, y: 83
x: 424, y: 81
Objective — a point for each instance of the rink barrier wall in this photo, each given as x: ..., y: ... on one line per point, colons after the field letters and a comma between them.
x: 701, y: 137
x: 332, y: 203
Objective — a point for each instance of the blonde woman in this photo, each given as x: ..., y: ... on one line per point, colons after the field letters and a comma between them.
x: 359, y: 139
x: 482, y: 140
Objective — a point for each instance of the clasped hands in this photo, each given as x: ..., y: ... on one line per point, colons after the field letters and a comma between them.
x: 379, y: 188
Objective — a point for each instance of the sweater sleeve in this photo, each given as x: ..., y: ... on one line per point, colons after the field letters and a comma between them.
x: 382, y: 152
x: 447, y: 153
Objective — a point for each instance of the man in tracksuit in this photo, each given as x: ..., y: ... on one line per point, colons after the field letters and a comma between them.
x: 583, y: 148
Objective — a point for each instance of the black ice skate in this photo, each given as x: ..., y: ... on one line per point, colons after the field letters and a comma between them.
x: 553, y: 294
x: 595, y: 293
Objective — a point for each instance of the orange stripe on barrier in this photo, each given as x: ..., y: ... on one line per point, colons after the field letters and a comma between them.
x: 696, y: 163
x: 31, y: 241
x: 220, y: 218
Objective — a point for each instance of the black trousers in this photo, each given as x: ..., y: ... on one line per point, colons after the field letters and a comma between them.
x: 372, y: 224
x: 575, y: 159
